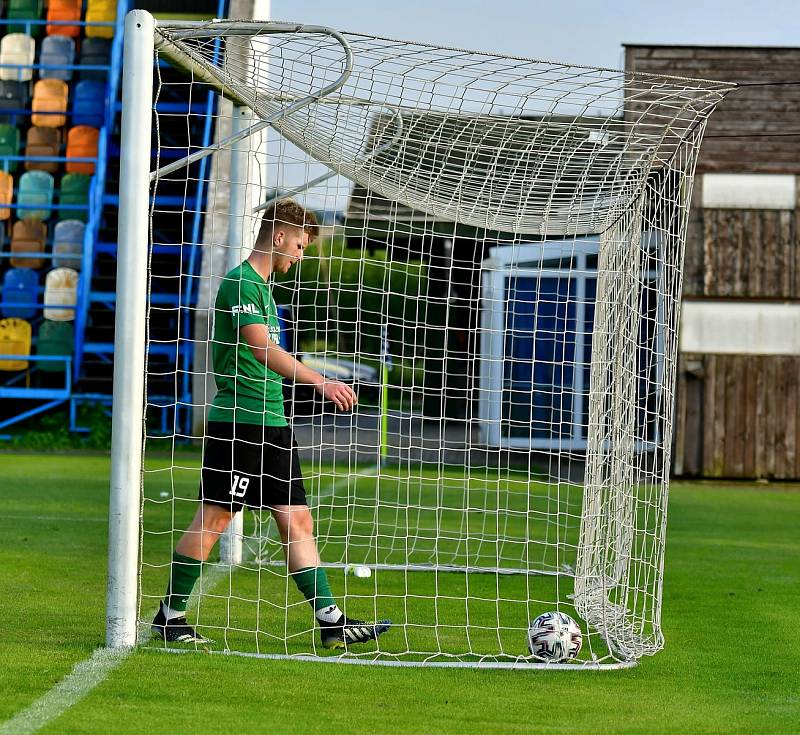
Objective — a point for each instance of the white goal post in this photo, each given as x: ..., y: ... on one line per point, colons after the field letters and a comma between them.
x: 501, y: 282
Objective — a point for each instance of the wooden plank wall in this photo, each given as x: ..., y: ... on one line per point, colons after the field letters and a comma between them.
x: 738, y: 416
x: 750, y: 111
x: 737, y: 141
x: 749, y: 253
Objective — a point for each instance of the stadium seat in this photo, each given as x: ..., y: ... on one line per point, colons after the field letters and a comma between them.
x: 100, y: 11
x: 88, y: 104
x: 75, y: 191
x: 14, y: 100
x: 49, y: 105
x: 82, y: 142
x: 68, y: 244
x: 95, y: 52
x: 60, y: 290
x: 15, y: 339
x: 42, y: 142
x: 35, y: 190
x: 28, y: 237
x: 25, y: 10
x: 20, y: 293
x: 57, y: 52
x: 54, y: 339
x: 9, y: 147
x: 6, y: 194
x: 17, y: 52
x: 64, y: 10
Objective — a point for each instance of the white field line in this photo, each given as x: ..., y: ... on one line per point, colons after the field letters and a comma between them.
x: 87, y: 674
x: 84, y: 677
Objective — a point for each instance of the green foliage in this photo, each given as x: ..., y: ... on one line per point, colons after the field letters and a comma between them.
x: 344, y: 296
x: 49, y: 432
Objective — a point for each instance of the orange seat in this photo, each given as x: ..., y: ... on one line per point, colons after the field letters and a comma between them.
x: 49, y: 107
x: 6, y: 194
x: 15, y: 339
x: 100, y: 11
x: 82, y: 142
x: 64, y: 10
x: 42, y: 143
x: 28, y: 237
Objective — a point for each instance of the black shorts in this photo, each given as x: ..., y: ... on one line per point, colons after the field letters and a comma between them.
x: 252, y: 465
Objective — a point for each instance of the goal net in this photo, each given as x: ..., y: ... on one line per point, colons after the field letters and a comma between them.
x: 498, y: 274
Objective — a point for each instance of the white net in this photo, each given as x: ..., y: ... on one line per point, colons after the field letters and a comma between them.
x: 498, y: 273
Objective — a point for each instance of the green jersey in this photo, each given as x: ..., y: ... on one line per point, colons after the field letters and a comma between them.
x: 247, y: 391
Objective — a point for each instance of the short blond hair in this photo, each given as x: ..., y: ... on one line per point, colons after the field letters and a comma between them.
x: 287, y: 212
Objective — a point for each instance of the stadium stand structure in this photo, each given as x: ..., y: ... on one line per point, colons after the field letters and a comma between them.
x: 59, y: 172
x: 59, y: 79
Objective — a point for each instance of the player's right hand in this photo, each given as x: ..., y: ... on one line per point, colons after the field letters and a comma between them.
x: 339, y: 393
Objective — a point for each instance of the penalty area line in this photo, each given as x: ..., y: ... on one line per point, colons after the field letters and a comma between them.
x: 84, y: 677
x: 90, y: 672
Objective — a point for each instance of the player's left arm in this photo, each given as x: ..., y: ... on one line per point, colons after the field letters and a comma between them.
x: 271, y: 354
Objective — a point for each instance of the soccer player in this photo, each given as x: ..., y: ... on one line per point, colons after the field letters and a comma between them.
x: 249, y: 455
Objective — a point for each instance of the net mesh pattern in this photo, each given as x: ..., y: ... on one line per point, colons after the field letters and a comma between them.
x: 499, y: 275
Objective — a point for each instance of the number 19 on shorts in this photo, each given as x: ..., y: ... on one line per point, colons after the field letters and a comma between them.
x: 239, y: 485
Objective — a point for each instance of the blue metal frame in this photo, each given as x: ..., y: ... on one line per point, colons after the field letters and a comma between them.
x: 180, y: 352
x: 189, y: 293
x: 56, y: 396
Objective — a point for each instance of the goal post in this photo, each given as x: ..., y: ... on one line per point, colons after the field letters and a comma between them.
x: 498, y: 272
x: 127, y: 442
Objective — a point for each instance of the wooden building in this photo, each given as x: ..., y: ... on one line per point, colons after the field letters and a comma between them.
x: 738, y: 412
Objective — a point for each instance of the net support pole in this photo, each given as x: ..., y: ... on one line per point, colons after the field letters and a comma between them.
x: 129, y: 338
x: 239, y: 243
x: 386, y: 365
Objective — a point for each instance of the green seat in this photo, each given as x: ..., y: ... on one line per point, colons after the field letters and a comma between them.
x: 75, y: 190
x: 9, y: 146
x: 35, y: 190
x: 25, y: 10
x: 55, y: 339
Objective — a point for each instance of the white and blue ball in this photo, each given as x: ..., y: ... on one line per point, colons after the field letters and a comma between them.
x: 554, y: 637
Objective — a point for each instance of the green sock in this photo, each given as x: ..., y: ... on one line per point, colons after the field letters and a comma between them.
x: 185, y: 572
x: 313, y: 583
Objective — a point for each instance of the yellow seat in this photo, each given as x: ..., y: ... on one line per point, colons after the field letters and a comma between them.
x: 15, y: 339
x: 100, y: 11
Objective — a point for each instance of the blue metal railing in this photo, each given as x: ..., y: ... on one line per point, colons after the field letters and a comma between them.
x: 99, y: 184
x: 56, y: 396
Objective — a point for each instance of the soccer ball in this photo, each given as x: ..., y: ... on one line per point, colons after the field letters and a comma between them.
x: 554, y: 636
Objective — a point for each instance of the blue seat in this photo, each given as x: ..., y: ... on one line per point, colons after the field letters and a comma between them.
x: 95, y: 52
x: 88, y: 104
x: 15, y: 100
x: 68, y: 244
x: 20, y: 293
x: 35, y: 189
x: 57, y: 51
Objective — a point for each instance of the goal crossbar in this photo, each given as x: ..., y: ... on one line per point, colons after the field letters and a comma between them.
x: 502, y: 279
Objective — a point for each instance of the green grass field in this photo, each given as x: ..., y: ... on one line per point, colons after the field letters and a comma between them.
x: 731, y: 599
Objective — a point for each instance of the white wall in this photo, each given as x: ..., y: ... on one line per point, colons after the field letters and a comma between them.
x: 740, y: 328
